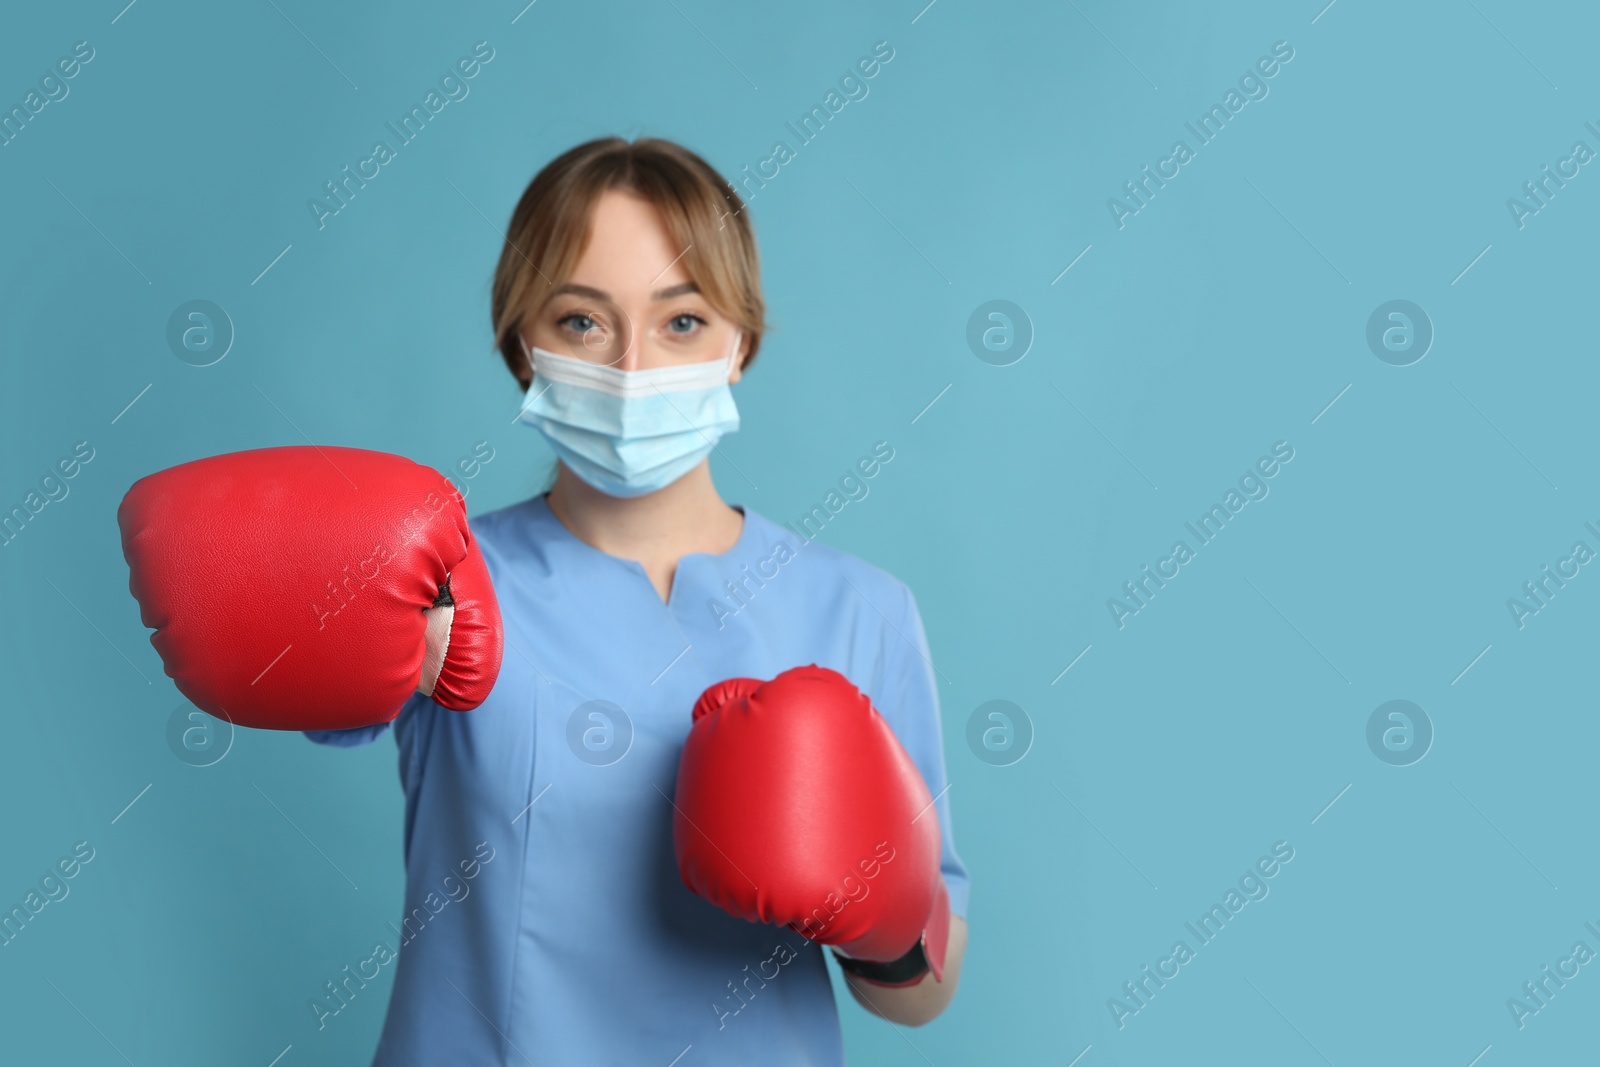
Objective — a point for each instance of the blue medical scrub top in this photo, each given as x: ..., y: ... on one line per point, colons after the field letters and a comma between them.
x: 545, y: 922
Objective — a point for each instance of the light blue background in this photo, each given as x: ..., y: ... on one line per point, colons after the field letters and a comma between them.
x: 1222, y: 318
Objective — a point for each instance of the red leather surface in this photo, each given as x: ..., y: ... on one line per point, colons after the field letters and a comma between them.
x: 724, y: 691
x: 286, y: 586
x: 789, y: 794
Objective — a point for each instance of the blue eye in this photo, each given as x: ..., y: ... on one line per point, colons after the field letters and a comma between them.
x: 578, y: 322
x: 685, y: 323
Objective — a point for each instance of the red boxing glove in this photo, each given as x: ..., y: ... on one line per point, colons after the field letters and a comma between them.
x: 797, y: 805
x: 287, y: 586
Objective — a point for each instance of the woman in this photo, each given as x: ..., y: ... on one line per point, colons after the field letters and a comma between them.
x: 626, y: 302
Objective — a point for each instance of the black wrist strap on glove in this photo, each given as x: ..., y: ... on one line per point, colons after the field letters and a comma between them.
x: 908, y: 968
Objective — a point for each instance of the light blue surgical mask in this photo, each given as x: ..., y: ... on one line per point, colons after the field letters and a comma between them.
x: 628, y: 433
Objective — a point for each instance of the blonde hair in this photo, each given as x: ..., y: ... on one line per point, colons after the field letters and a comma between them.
x: 551, y: 225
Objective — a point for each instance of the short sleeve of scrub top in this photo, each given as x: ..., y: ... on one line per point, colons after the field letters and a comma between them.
x: 545, y: 921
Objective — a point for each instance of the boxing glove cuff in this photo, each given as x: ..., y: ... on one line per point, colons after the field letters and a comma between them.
x: 905, y: 971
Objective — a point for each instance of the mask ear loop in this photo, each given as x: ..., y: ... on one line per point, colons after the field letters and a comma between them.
x: 527, y: 353
x: 533, y: 378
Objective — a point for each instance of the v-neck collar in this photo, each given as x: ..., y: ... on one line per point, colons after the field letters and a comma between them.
x: 559, y: 531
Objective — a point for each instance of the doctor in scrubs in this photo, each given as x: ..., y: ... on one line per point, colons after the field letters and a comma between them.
x: 545, y: 920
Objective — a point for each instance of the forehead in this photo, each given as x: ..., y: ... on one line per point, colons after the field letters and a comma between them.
x: 629, y: 251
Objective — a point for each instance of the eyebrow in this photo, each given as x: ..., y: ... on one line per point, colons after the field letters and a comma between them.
x: 668, y: 293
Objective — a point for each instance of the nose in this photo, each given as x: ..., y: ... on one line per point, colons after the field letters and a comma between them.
x: 632, y: 357
x: 615, y: 341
